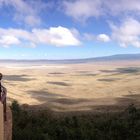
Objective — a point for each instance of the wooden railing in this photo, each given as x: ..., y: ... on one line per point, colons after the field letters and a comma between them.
x: 3, y: 100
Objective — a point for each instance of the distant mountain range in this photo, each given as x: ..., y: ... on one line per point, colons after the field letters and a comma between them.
x: 118, y: 57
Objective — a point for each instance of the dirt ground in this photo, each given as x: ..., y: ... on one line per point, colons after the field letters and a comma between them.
x: 74, y: 87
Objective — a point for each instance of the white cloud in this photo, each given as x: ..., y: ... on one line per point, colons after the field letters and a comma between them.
x: 26, y: 12
x: 89, y: 37
x: 128, y: 33
x: 84, y: 9
x: 100, y: 37
x: 103, y: 38
x: 57, y: 36
x: 122, y: 7
x: 9, y: 40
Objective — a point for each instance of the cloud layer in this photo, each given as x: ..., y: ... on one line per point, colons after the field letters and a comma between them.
x: 9, y: 40
x: 125, y: 30
x: 84, y: 9
x: 128, y: 33
x: 27, y: 12
x: 57, y: 36
x: 103, y: 38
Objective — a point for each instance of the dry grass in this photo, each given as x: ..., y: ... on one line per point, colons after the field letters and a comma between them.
x: 74, y: 87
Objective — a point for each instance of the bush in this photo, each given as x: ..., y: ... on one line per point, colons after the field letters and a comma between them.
x: 40, y: 125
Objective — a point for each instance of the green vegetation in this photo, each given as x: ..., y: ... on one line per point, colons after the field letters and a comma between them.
x: 42, y: 125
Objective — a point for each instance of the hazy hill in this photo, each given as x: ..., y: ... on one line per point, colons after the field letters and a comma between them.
x: 118, y: 57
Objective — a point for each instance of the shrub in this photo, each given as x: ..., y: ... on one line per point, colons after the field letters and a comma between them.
x: 40, y: 125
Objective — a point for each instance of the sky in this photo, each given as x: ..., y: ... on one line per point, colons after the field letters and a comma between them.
x: 68, y: 29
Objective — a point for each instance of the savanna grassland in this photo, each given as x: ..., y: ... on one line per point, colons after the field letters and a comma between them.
x: 74, y: 87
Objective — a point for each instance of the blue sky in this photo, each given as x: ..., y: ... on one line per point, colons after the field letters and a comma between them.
x: 68, y: 29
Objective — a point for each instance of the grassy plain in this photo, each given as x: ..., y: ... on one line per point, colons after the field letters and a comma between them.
x: 74, y: 87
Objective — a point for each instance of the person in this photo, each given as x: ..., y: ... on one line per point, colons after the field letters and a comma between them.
x: 0, y: 85
x: 4, y: 102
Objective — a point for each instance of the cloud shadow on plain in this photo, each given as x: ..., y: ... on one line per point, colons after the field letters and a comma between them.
x: 128, y: 70
x: 109, y: 79
x: 17, y: 78
x: 56, y: 73
x: 43, y: 95
x: 58, y: 83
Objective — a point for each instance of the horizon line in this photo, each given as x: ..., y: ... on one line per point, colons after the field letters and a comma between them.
x: 65, y: 59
